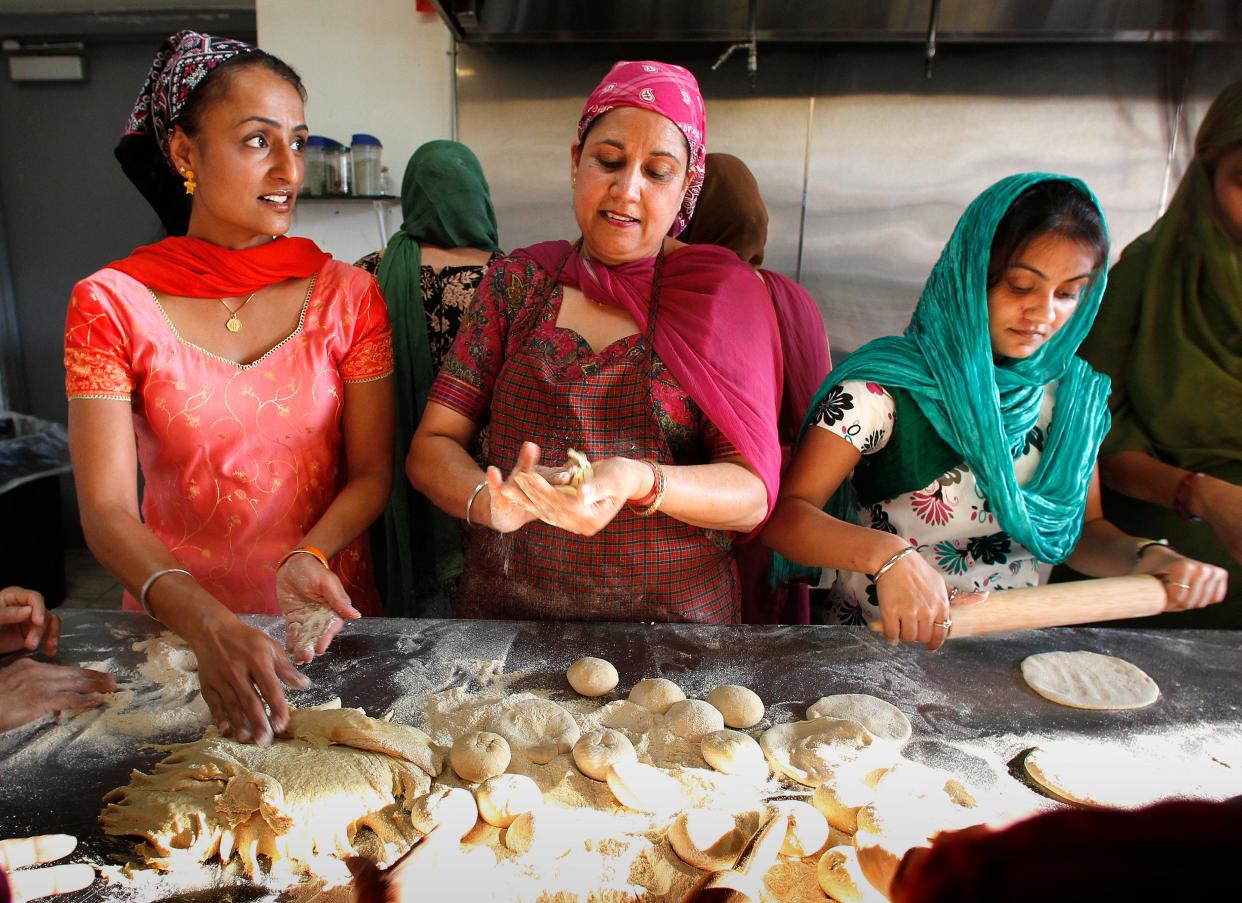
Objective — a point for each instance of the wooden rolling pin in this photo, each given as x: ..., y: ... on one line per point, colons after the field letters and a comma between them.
x: 1058, y: 604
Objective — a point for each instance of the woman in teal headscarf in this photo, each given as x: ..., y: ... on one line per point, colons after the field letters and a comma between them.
x: 1170, y: 336
x: 971, y: 439
x: 428, y: 273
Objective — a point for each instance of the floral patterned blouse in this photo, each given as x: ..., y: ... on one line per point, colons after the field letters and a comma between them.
x: 446, y: 293
x: 949, y: 521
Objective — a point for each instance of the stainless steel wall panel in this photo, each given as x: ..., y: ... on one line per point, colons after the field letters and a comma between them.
x: 893, y: 158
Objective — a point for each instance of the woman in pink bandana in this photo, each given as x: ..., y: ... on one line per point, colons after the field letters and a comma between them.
x: 658, y: 361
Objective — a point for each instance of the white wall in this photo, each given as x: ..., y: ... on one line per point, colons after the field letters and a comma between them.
x: 377, y: 66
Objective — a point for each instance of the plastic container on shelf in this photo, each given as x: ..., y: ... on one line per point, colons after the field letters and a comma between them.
x: 313, y: 154
x: 366, y: 151
x: 338, y: 175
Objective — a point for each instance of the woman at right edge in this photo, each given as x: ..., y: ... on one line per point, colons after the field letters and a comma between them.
x: 970, y: 441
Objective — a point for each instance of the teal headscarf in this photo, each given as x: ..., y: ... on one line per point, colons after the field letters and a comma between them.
x: 445, y: 202
x: 983, y: 409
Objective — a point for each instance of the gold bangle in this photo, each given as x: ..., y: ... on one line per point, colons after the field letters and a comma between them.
x: 304, y: 550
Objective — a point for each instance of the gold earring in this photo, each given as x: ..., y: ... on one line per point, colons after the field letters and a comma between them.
x: 190, y: 184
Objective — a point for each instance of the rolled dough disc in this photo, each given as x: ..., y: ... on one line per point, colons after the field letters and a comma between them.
x: 1088, y: 680
x: 882, y: 718
x: 1094, y: 774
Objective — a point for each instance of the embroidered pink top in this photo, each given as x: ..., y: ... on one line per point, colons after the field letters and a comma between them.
x: 239, y: 460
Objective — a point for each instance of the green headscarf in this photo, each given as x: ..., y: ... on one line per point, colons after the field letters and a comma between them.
x: 985, y: 410
x: 1170, y: 331
x: 446, y: 203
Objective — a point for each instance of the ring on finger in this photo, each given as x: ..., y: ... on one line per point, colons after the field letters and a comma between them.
x: 947, y: 623
x: 953, y: 593
x: 1176, y: 583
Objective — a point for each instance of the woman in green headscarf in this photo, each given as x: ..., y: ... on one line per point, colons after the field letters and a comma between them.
x: 428, y: 274
x: 1170, y: 336
x: 969, y: 442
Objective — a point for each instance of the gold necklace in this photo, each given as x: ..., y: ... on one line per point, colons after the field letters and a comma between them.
x: 233, y: 324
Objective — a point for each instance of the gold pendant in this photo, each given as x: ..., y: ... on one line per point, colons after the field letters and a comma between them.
x: 234, y: 324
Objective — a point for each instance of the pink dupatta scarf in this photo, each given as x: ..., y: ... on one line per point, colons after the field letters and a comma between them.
x: 715, y: 331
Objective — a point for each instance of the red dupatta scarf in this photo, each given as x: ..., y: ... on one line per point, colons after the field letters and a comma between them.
x: 715, y: 331
x: 193, y: 268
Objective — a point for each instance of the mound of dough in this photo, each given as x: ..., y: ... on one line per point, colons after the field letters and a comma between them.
x: 883, y: 719
x: 452, y: 808
x: 690, y: 719
x: 709, y: 839
x: 740, y: 706
x: 732, y: 752
x: 841, y: 877
x: 656, y: 694
x: 216, y: 795
x: 592, y: 676
x: 479, y: 755
x: 538, y: 728
x: 811, y: 751
x: 1088, y: 680
x: 506, y: 796
x: 643, y: 787
x: 808, y: 829
x: 594, y: 753
x: 1094, y: 774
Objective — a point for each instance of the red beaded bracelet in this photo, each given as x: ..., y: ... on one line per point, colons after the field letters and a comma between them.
x: 1181, y: 498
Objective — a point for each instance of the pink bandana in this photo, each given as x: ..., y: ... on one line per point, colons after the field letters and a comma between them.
x: 668, y: 90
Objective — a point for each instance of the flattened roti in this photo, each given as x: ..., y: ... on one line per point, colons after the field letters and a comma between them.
x: 1088, y: 680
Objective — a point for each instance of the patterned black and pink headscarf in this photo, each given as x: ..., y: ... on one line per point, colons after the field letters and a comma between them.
x: 180, y: 66
x: 668, y: 90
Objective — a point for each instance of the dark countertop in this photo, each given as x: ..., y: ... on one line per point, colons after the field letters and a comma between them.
x: 968, y: 696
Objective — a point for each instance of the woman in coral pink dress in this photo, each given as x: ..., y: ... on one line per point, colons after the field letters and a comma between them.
x: 248, y: 374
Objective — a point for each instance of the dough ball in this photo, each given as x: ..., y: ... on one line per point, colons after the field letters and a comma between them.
x: 643, y: 787
x: 592, y: 676
x: 740, y: 706
x: 545, y: 833
x: 504, y: 797
x: 538, y: 728
x: 883, y: 719
x: 808, y: 829
x: 841, y: 877
x: 656, y: 694
x: 811, y: 751
x: 708, y: 839
x: 631, y: 719
x: 690, y: 719
x: 842, y: 793
x: 733, y: 752
x: 1088, y: 680
x: 596, y: 751
x: 452, y: 808
x: 478, y: 756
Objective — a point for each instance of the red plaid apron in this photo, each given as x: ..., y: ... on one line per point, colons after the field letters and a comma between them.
x: 635, y: 569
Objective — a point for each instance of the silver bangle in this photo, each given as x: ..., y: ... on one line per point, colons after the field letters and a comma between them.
x: 908, y: 550
x: 146, y: 587
x: 470, y: 501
